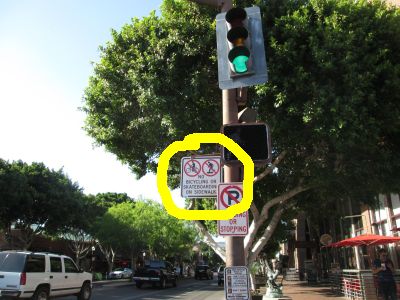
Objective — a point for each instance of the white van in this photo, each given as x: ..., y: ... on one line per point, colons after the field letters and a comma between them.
x: 38, y: 275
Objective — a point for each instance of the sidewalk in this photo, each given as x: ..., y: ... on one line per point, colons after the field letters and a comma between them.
x: 300, y: 290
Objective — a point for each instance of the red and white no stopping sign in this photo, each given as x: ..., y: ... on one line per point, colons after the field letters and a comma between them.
x: 230, y: 194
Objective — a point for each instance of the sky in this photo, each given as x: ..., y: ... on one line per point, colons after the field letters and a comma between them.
x: 46, y: 52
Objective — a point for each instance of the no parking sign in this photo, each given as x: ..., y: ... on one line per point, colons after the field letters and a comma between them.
x: 231, y: 194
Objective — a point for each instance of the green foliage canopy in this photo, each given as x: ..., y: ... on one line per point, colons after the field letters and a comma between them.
x: 332, y: 99
x: 38, y: 199
x: 144, y: 225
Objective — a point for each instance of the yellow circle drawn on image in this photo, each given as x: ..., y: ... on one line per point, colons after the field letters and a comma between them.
x: 192, y: 142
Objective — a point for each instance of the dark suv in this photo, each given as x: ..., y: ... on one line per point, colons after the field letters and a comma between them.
x: 155, y: 272
x: 203, y: 271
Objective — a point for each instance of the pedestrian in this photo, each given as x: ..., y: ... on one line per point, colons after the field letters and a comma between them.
x: 383, y: 268
x: 187, y: 271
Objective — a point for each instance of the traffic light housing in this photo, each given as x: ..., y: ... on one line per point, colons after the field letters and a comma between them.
x: 254, y: 138
x: 237, y: 35
x: 240, y: 47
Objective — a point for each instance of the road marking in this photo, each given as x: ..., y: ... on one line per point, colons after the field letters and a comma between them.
x: 147, y: 295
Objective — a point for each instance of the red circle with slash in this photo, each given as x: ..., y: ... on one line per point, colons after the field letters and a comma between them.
x: 231, y: 191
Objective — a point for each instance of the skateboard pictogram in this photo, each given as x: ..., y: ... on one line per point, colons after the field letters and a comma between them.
x: 210, y: 167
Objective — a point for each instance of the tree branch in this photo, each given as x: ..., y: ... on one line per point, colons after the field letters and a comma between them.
x: 207, y: 237
x: 266, y: 235
x: 256, y: 223
x: 209, y: 240
x: 254, y: 211
x: 270, y: 168
x: 109, y: 254
x: 191, y: 205
x: 253, y: 208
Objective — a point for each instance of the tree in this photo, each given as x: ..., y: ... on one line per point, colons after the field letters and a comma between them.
x: 170, y: 237
x: 80, y: 243
x: 47, y: 201
x: 107, y: 200
x: 102, y: 228
x: 143, y: 226
x: 13, y: 193
x: 120, y: 220
x: 82, y: 230
x: 332, y: 99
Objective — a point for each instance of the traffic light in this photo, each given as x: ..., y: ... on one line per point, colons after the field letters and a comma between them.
x: 239, y: 53
x: 240, y: 48
x: 254, y: 138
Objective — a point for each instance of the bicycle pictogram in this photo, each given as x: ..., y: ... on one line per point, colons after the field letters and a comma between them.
x: 192, y: 168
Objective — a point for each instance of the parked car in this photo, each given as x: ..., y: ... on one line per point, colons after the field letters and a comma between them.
x: 203, y: 271
x: 120, y: 273
x: 221, y: 275
x: 155, y: 272
x: 39, y: 276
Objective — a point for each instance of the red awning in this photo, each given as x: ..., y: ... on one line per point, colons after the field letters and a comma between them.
x: 366, y: 239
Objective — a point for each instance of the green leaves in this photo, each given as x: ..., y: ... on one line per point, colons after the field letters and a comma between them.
x: 144, y: 225
x: 329, y: 91
x: 152, y: 85
x: 332, y: 99
x: 32, y: 194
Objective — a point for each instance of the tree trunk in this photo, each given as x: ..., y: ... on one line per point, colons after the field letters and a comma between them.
x: 259, y: 218
x: 209, y: 240
x: 26, y: 236
x: 256, y: 224
x: 301, y: 236
x: 133, y: 260
x: 252, y: 281
x: 262, y: 241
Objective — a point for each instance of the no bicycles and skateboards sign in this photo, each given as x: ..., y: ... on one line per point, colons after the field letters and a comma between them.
x: 200, y: 176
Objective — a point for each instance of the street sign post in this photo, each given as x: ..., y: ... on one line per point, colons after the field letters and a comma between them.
x: 230, y: 194
x: 200, y: 176
x: 236, y: 283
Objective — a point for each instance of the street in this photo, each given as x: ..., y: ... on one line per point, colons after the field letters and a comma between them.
x: 187, y: 289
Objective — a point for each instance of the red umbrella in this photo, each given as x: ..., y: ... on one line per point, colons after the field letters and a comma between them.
x: 366, y: 239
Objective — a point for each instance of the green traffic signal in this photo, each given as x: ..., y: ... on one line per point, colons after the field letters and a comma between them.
x: 239, y: 63
x: 239, y: 57
x: 237, y: 35
x: 240, y: 48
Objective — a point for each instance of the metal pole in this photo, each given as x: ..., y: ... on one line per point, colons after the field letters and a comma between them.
x: 353, y: 231
x: 234, y: 245
x: 342, y: 236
